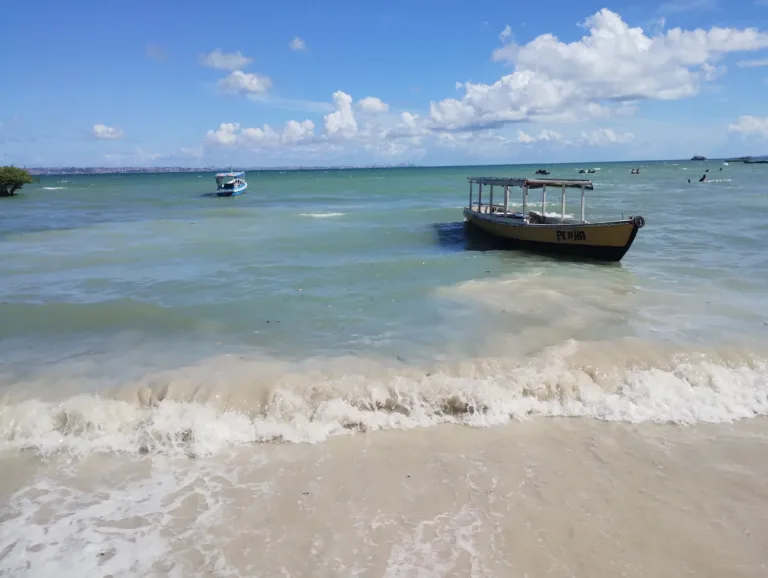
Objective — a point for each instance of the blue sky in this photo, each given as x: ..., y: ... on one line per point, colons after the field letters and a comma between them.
x: 299, y: 83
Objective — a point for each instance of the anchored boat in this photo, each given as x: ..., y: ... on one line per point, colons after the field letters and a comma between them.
x: 532, y: 230
x: 230, y: 184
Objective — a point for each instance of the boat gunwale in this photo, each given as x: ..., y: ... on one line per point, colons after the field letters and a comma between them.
x: 506, y: 219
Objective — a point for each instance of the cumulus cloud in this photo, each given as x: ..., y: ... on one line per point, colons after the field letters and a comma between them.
x: 297, y: 44
x: 607, y: 73
x: 104, y: 132
x: 506, y: 34
x: 373, y: 105
x: 230, y: 134
x: 341, y: 122
x: 225, y: 61
x: 754, y: 126
x: 245, y: 83
x: 604, y: 73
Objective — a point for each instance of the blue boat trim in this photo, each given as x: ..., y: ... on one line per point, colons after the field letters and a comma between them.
x: 230, y: 184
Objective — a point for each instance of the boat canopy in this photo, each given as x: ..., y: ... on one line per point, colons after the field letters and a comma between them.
x: 533, y: 183
x: 231, y: 174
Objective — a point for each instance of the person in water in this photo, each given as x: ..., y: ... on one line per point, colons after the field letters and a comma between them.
x: 703, y: 178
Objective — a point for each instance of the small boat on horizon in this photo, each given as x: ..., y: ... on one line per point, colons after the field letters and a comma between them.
x: 230, y: 184
x: 537, y: 231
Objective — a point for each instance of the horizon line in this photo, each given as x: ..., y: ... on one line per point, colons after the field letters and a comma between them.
x: 341, y: 166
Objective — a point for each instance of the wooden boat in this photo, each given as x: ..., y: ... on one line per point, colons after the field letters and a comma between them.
x: 532, y: 230
x: 230, y: 184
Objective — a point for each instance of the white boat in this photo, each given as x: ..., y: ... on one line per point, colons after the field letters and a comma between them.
x: 230, y: 184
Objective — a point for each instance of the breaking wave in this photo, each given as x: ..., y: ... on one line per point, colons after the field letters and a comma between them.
x: 321, y: 215
x: 232, y: 400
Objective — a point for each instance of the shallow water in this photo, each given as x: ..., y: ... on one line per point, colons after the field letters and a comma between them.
x: 153, y: 337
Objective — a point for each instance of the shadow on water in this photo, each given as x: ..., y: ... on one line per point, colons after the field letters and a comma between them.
x: 462, y: 236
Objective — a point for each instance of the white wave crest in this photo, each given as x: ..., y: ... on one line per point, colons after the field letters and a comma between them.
x: 195, y: 413
x: 321, y: 215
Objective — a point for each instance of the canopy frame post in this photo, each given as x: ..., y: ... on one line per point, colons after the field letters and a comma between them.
x: 490, y: 202
x: 480, y: 198
x: 562, y: 205
x: 525, y: 200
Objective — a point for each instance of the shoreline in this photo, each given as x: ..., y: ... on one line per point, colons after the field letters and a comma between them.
x: 541, y: 497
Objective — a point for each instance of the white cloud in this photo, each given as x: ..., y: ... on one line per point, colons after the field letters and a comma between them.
x: 225, y: 61
x: 225, y: 135
x: 342, y: 120
x: 506, y: 34
x: 245, y: 83
x: 229, y: 134
x: 751, y: 126
x: 604, y: 73
x: 543, y: 136
x: 609, y: 72
x: 406, y: 135
x: 604, y: 137
x: 595, y: 138
x: 373, y: 105
x: 104, y: 132
x: 752, y: 63
x: 297, y: 44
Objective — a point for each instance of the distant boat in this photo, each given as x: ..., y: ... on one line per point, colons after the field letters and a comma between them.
x: 538, y: 231
x: 230, y: 184
x: 698, y: 158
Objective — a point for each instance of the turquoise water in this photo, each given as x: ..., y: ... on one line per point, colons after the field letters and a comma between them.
x: 153, y: 338
x: 110, y: 279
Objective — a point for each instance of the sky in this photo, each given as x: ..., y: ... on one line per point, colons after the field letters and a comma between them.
x: 264, y: 84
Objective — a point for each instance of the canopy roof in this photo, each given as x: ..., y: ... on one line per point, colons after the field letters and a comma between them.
x: 231, y: 174
x: 533, y: 183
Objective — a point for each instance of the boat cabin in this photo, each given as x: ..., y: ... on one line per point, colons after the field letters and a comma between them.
x: 527, y: 216
x: 235, y: 179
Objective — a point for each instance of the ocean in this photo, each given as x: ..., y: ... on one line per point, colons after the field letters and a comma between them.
x: 326, y: 377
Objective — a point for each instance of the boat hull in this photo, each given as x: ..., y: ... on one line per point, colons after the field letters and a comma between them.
x: 599, y: 241
x: 231, y: 193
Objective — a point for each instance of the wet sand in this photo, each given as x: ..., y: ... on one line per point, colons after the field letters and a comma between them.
x: 543, y: 497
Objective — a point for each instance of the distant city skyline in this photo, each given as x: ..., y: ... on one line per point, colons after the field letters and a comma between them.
x: 421, y: 82
x: 758, y: 159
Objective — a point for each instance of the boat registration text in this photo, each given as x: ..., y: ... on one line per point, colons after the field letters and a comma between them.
x: 571, y: 235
